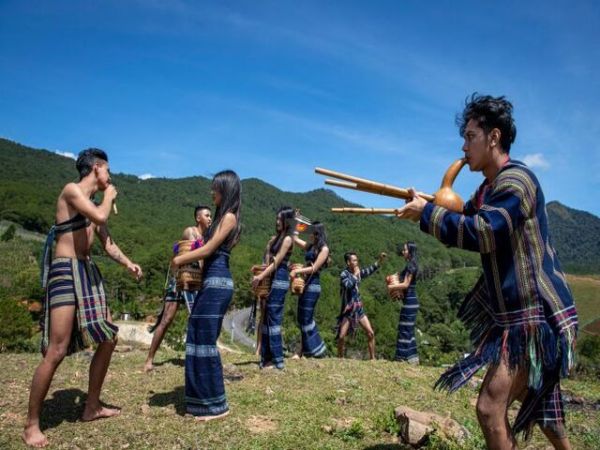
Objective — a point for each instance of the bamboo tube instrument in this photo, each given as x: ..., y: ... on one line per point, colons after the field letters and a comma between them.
x: 445, y: 196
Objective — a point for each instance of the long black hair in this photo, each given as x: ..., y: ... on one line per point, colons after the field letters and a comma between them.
x: 285, y: 214
x: 318, y: 230
x: 413, y: 260
x: 227, y: 183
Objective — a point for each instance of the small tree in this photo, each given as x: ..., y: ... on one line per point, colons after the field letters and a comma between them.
x: 9, y: 234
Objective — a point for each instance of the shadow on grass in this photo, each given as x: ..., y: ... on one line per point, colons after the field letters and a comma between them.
x: 64, y: 406
x: 252, y: 362
x: 388, y: 447
x: 175, y: 397
x: 175, y: 361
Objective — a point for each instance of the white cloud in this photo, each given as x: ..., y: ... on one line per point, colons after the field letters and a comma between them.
x: 536, y: 160
x: 146, y: 176
x: 66, y: 154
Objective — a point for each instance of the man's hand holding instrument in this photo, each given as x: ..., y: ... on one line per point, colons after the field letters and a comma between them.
x: 444, y: 197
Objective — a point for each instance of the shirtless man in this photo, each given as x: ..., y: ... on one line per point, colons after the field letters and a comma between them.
x: 172, y: 297
x: 76, y: 314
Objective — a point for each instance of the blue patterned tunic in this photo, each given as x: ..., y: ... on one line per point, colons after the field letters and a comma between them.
x: 352, y: 306
x: 406, y: 344
x: 204, y: 388
x: 271, y: 348
x: 312, y: 344
x: 521, y: 308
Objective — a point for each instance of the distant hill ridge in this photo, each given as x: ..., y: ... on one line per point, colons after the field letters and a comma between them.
x: 30, y: 180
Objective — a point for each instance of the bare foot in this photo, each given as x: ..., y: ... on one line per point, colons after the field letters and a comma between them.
x: 149, y: 366
x: 100, y: 413
x: 296, y: 356
x: 208, y: 418
x: 34, y: 437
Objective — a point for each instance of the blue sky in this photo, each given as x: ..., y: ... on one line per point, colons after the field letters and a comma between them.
x: 273, y: 89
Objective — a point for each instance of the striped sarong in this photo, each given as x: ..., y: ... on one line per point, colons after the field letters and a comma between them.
x: 312, y: 344
x: 204, y: 387
x: 406, y: 344
x: 77, y: 281
x: 271, y: 349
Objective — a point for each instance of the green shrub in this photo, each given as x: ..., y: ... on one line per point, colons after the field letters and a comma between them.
x: 9, y: 233
x: 16, y: 327
x: 175, y: 337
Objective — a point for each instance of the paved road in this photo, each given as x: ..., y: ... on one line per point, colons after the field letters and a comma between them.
x: 239, y: 319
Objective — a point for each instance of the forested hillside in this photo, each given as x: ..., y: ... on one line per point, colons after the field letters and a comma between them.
x: 153, y: 212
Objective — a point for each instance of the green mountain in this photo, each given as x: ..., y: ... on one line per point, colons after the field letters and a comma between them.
x: 152, y: 214
x: 576, y: 236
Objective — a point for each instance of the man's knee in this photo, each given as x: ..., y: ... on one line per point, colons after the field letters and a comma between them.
x: 110, y: 344
x: 56, y: 353
x: 486, y: 409
x: 370, y: 335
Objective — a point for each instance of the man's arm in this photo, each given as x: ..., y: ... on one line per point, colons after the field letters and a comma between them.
x: 189, y: 234
x: 512, y: 201
x: 491, y: 227
x: 370, y: 270
x: 113, y: 250
x: 74, y: 196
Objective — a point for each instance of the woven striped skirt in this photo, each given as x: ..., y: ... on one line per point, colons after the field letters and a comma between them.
x: 406, y: 344
x: 204, y: 387
x: 312, y: 344
x: 271, y: 349
x: 78, y: 282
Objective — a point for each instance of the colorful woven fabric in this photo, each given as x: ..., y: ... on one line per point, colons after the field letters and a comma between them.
x: 77, y: 222
x: 204, y: 387
x: 352, y: 307
x: 406, y: 343
x: 78, y: 281
x: 521, y: 308
x: 271, y: 348
x: 312, y: 343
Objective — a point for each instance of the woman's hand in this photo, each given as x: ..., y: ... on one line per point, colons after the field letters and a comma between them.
x: 256, y: 281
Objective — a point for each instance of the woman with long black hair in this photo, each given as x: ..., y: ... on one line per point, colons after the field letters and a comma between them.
x: 279, y: 250
x: 316, y: 256
x: 204, y: 388
x: 406, y: 345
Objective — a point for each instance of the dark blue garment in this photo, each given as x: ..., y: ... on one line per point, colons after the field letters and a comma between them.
x: 271, y: 349
x: 521, y: 310
x: 204, y: 388
x: 406, y: 344
x: 352, y: 306
x: 312, y: 344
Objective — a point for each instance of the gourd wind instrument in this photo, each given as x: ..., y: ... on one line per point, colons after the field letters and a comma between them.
x: 445, y: 196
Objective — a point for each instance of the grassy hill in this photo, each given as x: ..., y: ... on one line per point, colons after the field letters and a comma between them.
x: 325, y: 404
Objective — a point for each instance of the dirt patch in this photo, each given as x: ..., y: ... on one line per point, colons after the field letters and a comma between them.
x: 583, y: 278
x: 579, y: 403
x: 593, y: 328
x: 261, y: 424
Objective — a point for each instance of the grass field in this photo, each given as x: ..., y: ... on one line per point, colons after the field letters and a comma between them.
x: 325, y: 404
x: 586, y: 291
